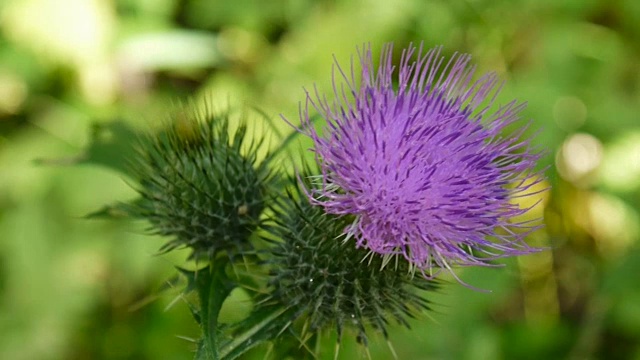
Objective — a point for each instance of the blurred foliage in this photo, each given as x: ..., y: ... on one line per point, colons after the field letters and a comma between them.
x: 72, y: 288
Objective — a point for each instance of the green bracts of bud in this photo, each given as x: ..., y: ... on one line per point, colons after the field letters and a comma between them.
x: 200, y: 185
x: 326, y: 281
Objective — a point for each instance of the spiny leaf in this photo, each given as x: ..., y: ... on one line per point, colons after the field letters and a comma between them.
x: 262, y: 325
x: 221, y: 341
x: 213, y: 287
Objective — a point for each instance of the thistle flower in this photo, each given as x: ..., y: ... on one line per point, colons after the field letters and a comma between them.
x: 325, y: 283
x: 422, y: 165
x: 200, y: 186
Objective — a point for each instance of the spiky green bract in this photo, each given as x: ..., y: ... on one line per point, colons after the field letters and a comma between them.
x: 201, y: 186
x: 326, y: 281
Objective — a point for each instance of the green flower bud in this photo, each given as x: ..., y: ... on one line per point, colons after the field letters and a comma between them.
x: 201, y: 185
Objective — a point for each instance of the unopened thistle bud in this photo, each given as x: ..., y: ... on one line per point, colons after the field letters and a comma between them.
x: 200, y: 186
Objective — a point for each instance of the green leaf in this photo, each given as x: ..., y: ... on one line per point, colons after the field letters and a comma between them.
x: 213, y: 287
x: 223, y: 341
x: 111, y: 145
x: 118, y: 210
x: 261, y: 326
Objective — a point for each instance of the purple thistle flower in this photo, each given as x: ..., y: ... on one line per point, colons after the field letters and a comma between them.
x: 422, y: 165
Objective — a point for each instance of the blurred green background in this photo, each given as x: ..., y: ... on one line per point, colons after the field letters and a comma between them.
x: 72, y: 288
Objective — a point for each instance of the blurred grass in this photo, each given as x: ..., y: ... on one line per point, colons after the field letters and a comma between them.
x: 68, y: 285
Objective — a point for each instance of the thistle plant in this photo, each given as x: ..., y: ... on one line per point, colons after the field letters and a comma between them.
x: 415, y: 174
x: 416, y: 156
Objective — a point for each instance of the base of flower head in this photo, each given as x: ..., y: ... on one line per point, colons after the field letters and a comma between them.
x: 329, y: 282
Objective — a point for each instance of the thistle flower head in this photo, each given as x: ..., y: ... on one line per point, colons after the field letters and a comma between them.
x: 416, y: 154
x: 200, y: 186
x: 326, y: 282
